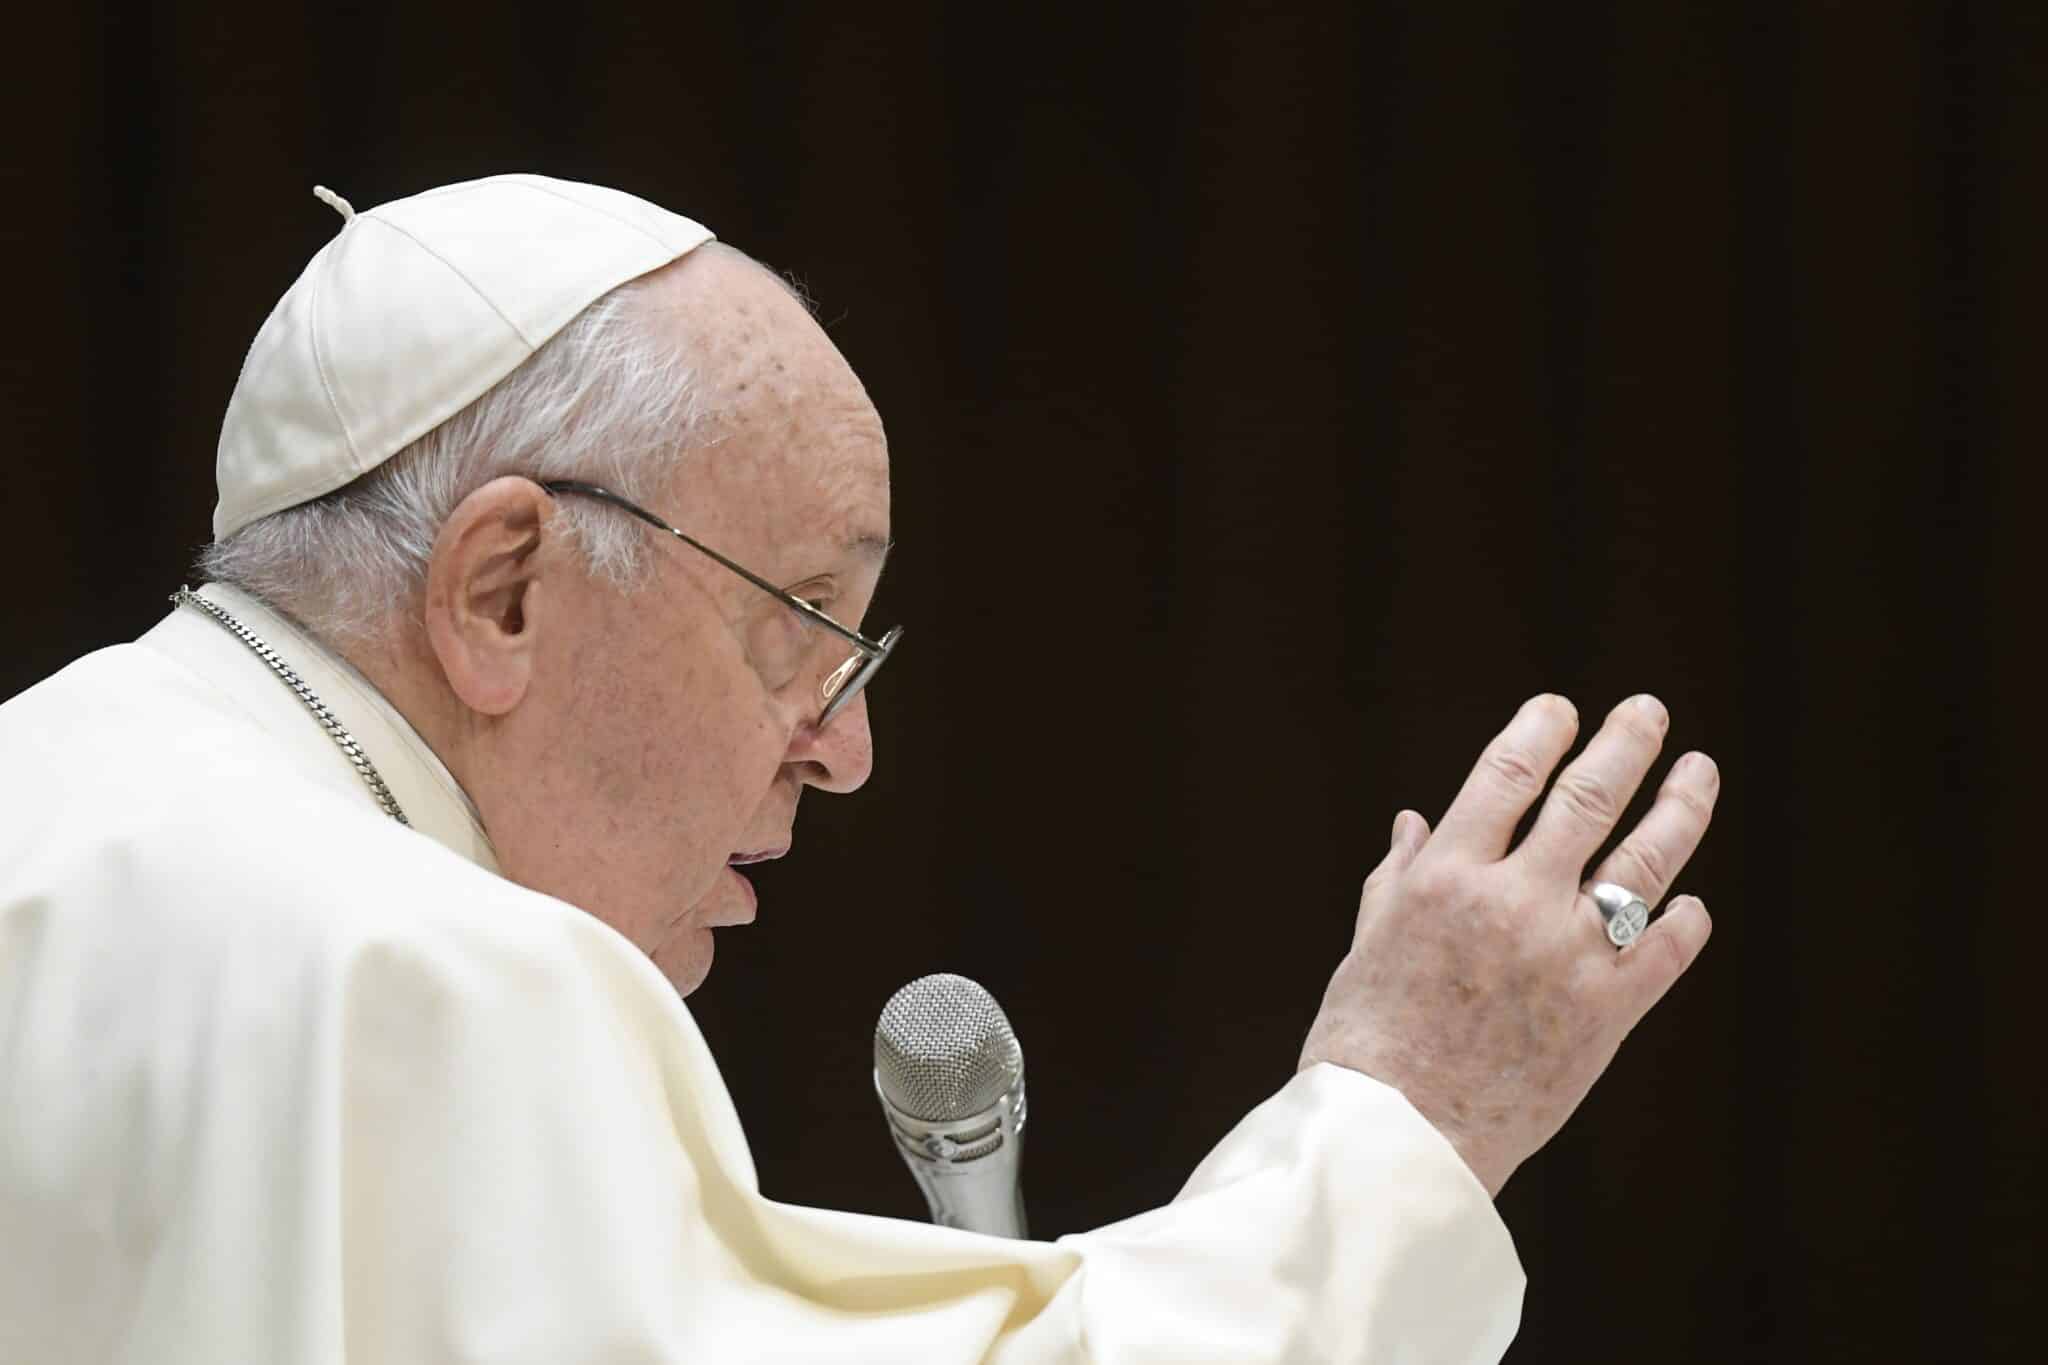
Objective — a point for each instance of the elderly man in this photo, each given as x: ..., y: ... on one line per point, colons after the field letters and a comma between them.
x: 345, y: 917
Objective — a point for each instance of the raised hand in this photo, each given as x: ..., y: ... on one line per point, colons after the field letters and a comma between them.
x: 1480, y: 981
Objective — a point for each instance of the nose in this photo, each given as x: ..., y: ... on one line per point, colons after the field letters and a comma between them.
x: 838, y: 758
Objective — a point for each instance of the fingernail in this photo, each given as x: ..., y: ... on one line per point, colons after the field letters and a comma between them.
x: 1654, y: 709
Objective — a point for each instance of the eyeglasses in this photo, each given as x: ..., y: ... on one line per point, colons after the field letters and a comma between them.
x: 843, y: 683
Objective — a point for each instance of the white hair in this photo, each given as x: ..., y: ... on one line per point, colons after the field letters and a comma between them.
x: 606, y: 399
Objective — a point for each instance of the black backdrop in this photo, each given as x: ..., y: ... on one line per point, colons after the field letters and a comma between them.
x: 1275, y: 402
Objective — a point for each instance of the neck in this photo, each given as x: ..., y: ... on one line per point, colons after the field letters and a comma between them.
x: 401, y: 665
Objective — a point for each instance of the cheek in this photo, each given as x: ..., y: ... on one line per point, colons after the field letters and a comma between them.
x: 685, y: 758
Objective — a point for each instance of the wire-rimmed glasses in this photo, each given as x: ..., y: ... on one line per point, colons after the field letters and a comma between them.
x: 839, y: 686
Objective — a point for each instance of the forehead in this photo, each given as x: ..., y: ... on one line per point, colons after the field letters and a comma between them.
x: 791, y: 450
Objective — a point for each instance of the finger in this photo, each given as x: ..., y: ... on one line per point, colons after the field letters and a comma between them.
x: 1649, y: 860
x: 1667, y: 948
x: 1410, y: 832
x: 1509, y: 776
x: 1594, y: 789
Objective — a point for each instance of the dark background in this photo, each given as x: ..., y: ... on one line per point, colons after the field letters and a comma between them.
x: 1275, y: 402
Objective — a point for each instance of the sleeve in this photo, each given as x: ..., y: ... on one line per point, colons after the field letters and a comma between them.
x: 1333, y: 1224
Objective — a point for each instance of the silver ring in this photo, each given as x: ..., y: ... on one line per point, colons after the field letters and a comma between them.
x: 1624, y: 911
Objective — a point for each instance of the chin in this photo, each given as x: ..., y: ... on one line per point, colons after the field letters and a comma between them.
x: 685, y: 959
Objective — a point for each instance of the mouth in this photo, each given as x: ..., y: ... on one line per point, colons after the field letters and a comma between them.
x: 744, y: 914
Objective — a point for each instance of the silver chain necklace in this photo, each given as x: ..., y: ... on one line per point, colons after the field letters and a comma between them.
x: 336, y: 731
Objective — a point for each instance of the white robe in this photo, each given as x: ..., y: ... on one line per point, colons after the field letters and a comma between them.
x: 281, y: 1081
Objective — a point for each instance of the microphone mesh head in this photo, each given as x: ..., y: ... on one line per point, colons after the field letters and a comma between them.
x: 944, y: 1050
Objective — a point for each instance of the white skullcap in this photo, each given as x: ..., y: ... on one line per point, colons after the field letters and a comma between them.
x: 410, y: 314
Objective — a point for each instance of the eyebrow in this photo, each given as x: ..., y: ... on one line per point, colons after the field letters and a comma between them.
x: 869, y: 546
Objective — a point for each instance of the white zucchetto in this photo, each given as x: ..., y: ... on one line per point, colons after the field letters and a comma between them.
x: 410, y: 314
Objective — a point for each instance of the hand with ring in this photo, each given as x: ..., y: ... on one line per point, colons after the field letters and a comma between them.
x: 1492, y: 985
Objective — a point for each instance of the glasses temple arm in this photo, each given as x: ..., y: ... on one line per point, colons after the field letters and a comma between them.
x: 854, y: 638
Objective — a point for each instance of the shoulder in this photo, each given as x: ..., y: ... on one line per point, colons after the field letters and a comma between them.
x: 247, y: 1020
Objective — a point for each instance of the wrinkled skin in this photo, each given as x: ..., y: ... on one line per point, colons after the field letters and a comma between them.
x: 1480, y: 982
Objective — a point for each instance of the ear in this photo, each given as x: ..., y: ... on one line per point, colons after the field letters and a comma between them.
x: 482, y: 582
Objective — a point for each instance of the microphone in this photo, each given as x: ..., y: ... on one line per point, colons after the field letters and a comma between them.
x: 950, y: 1074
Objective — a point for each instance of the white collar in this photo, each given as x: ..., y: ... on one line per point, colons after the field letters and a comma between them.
x: 433, y: 801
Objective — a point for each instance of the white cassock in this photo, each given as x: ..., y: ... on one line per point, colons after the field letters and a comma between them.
x: 283, y: 1081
